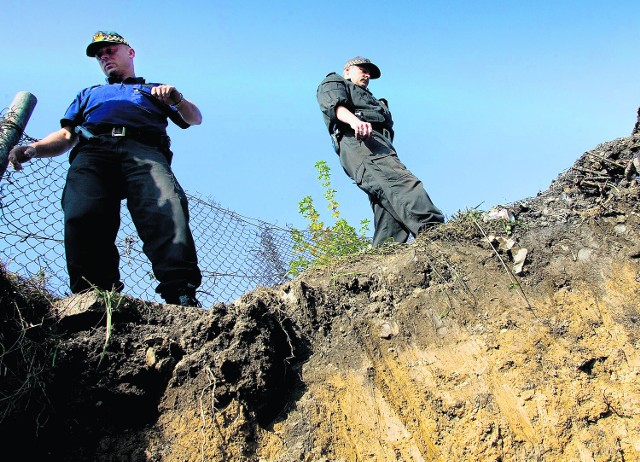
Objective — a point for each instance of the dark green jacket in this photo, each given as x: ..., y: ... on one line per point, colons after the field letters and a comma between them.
x: 335, y: 91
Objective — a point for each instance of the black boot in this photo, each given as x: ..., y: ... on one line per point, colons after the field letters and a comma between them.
x: 183, y: 297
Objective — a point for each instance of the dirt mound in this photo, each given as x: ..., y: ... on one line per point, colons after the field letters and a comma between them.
x: 487, y: 339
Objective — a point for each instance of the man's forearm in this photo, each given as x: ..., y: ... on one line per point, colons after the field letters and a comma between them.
x: 345, y: 115
x: 56, y: 143
x: 168, y: 94
x: 361, y: 128
x: 189, y: 112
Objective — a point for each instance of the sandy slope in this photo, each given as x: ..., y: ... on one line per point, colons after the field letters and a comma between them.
x: 435, y: 350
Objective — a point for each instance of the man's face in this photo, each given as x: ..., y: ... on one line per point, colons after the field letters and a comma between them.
x: 116, y: 60
x: 360, y: 75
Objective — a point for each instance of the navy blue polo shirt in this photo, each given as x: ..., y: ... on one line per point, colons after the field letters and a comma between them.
x: 128, y: 103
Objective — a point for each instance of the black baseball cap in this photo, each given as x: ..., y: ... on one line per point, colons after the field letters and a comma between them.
x: 364, y: 62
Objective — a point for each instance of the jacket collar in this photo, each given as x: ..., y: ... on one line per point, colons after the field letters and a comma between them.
x: 127, y: 80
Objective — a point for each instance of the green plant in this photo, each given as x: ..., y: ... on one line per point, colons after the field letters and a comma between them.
x: 511, y: 225
x: 513, y: 280
x: 112, y: 301
x: 320, y: 243
x: 468, y: 215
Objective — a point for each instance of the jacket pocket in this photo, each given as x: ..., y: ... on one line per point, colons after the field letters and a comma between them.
x: 369, y: 115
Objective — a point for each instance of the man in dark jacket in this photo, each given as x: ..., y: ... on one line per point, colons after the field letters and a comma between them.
x: 121, y: 151
x: 362, y: 131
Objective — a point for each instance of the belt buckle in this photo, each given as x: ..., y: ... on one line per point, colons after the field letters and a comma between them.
x: 119, y: 131
x: 386, y: 133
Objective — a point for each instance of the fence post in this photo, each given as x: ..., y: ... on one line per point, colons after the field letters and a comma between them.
x: 14, y: 124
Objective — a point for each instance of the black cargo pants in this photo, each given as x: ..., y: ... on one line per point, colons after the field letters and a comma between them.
x: 102, y: 173
x: 400, y: 204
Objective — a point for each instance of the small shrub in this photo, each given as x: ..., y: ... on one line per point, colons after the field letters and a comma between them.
x: 320, y: 243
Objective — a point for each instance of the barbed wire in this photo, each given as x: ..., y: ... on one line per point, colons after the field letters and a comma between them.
x: 236, y: 253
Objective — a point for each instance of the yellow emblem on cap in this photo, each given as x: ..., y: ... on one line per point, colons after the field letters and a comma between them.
x: 103, y: 37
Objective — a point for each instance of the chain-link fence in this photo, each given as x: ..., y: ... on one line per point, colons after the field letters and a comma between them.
x: 236, y: 254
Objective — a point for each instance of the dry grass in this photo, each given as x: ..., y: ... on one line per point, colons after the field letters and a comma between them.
x: 27, y: 353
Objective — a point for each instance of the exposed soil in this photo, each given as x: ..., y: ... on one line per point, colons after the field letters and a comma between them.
x: 449, y: 348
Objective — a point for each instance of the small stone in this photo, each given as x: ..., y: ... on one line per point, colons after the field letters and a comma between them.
x: 620, y: 229
x: 585, y: 254
x: 519, y: 255
x: 150, y: 357
x: 78, y: 304
x: 388, y: 330
x: 385, y: 331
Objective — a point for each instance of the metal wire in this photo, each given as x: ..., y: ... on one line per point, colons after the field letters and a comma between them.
x: 236, y: 253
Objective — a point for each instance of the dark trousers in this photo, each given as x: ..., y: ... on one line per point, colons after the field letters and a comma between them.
x: 102, y: 173
x: 401, y: 206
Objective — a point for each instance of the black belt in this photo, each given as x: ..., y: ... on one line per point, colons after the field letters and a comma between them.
x: 383, y: 130
x: 376, y: 127
x: 143, y: 136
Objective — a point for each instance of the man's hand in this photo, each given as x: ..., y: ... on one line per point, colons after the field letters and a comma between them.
x: 167, y: 94
x: 20, y: 154
x: 51, y: 145
x: 363, y: 129
x: 187, y: 110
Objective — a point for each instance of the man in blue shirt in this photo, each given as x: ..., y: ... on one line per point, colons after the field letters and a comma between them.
x: 121, y: 151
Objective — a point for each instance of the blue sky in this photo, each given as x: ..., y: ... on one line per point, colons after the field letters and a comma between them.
x: 491, y: 100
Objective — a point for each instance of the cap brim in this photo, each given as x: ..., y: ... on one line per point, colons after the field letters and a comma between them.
x: 95, y: 46
x: 374, y: 71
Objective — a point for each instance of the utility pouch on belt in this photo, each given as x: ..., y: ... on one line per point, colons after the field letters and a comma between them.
x: 83, y: 132
x: 336, y: 136
x: 370, y: 116
x: 377, y: 121
x: 85, y: 135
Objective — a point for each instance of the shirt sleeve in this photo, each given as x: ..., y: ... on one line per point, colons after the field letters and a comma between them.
x: 169, y: 111
x: 74, y: 114
x: 176, y: 118
x: 332, y: 93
